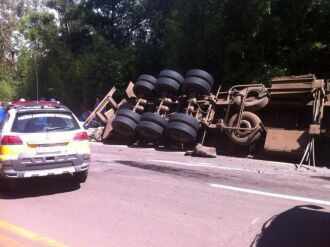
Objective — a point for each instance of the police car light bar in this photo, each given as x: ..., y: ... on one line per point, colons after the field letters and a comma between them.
x: 41, y: 102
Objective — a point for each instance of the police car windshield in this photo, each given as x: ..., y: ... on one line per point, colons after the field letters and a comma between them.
x: 44, y: 122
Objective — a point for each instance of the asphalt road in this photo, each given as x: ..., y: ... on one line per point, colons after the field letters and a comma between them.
x: 143, y: 197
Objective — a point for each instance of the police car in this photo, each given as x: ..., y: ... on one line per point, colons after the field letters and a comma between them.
x: 42, y: 139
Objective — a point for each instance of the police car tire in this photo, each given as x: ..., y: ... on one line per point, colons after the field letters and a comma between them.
x: 80, y: 177
x: 5, y: 185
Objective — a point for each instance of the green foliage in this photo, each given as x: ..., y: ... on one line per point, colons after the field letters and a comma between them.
x: 7, y: 84
x: 91, y: 45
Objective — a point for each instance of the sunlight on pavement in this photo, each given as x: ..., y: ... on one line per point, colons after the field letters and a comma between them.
x: 6, y: 241
x: 17, y: 236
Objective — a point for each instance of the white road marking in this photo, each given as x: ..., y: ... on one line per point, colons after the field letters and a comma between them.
x: 96, y: 143
x: 262, y: 193
x: 252, y: 223
x: 207, y: 165
x: 106, y: 145
x: 255, y: 220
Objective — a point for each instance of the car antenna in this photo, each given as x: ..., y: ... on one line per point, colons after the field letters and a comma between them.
x: 36, y: 70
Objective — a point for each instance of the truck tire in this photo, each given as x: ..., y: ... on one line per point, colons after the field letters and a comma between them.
x: 245, y: 138
x: 256, y: 98
x: 157, y: 119
x: 151, y: 126
x: 150, y: 130
x: 172, y: 75
x: 200, y: 74
x: 186, y: 119
x: 129, y: 114
x: 143, y: 88
x: 144, y: 85
x: 196, y: 85
x: 124, y: 126
x: 167, y: 85
x: 181, y: 132
x: 148, y: 78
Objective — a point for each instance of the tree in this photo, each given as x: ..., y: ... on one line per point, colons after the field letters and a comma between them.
x: 83, y: 48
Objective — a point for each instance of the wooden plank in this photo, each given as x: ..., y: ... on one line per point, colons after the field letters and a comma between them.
x: 100, y: 107
x: 293, y: 85
x: 129, y: 90
x: 289, y: 141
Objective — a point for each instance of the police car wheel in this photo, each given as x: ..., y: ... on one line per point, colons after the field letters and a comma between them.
x: 80, y: 177
x: 5, y: 185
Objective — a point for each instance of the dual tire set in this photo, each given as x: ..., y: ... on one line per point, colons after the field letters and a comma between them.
x: 180, y: 127
x: 172, y: 83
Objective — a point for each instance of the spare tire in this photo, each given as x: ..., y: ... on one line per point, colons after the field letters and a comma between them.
x: 249, y: 120
x: 181, y: 132
x: 144, y: 85
x: 201, y: 74
x: 256, y: 98
x: 196, y: 85
x: 172, y: 75
x: 186, y: 119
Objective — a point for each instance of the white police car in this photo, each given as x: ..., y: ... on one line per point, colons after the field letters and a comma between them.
x: 42, y: 139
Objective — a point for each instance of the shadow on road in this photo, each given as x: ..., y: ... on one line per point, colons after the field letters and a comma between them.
x: 152, y: 167
x: 302, y: 226
x: 322, y: 177
x: 35, y: 187
x: 163, y: 145
x: 175, y: 171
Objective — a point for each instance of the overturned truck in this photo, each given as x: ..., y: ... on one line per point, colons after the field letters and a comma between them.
x: 291, y: 117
